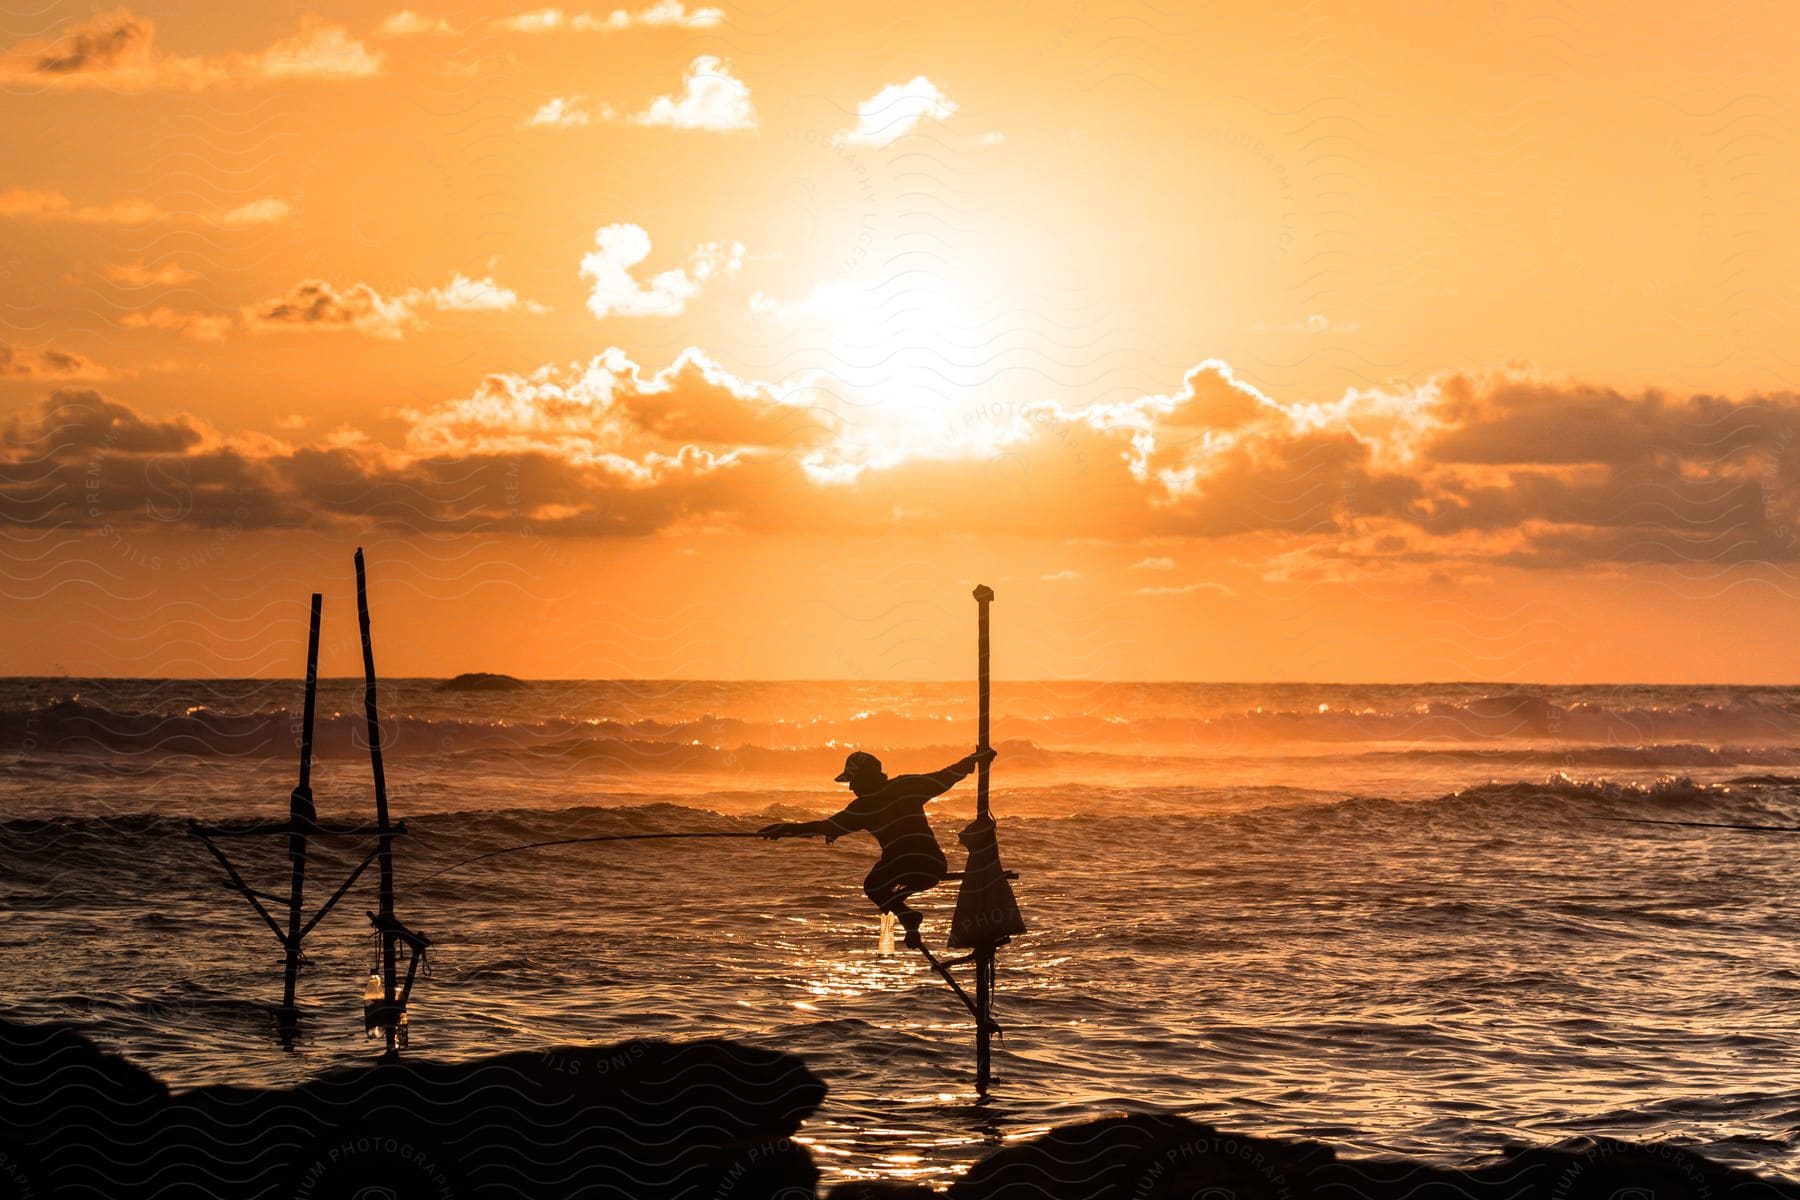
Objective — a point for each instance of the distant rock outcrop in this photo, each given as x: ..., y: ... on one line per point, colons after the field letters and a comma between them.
x: 484, y: 681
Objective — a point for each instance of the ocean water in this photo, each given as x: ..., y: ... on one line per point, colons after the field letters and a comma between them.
x: 1406, y: 919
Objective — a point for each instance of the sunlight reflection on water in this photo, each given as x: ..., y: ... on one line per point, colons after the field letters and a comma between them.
x: 1433, y: 977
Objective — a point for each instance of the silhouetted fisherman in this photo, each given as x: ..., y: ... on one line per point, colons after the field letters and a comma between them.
x: 894, y: 811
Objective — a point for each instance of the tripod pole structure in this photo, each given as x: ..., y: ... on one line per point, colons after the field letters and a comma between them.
x: 300, y: 828
x: 301, y: 815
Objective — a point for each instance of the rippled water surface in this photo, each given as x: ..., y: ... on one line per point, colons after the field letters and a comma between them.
x: 1390, y: 917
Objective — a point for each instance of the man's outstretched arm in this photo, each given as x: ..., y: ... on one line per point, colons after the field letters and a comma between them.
x: 832, y: 828
x: 942, y: 781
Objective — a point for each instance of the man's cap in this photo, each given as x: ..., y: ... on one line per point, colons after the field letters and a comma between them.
x: 860, y: 762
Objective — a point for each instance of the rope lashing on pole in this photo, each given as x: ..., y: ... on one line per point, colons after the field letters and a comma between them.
x: 599, y: 837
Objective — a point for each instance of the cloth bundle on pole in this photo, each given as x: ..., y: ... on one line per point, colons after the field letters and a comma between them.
x: 987, y: 914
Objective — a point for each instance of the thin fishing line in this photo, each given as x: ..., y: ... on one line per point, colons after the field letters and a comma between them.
x: 1699, y: 824
x: 602, y: 837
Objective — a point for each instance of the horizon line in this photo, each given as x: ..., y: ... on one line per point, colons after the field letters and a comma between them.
x: 528, y: 679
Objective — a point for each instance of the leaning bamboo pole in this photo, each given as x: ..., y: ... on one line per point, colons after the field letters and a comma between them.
x: 384, y: 923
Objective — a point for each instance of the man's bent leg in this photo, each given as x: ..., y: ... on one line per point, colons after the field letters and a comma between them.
x: 889, y: 887
x: 886, y: 889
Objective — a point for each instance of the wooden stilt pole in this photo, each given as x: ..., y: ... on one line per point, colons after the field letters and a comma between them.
x: 301, y: 815
x: 987, y: 915
x: 385, y: 847
x: 984, y: 952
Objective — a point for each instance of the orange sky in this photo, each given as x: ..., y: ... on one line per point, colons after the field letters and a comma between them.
x: 1349, y: 341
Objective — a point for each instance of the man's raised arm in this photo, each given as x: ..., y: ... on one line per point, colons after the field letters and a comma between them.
x: 942, y: 781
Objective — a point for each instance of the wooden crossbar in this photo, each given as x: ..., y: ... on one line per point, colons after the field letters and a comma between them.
x: 248, y: 892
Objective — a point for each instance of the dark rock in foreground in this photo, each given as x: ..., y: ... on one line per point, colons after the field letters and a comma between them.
x: 641, y: 1119
x: 705, y: 1120
x: 1170, y: 1158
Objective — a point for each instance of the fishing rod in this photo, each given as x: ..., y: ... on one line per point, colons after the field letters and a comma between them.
x: 601, y: 837
x: 1699, y: 824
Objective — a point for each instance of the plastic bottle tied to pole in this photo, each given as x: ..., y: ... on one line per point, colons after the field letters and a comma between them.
x: 374, y: 1003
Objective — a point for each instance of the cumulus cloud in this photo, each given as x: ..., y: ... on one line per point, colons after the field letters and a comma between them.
x: 407, y: 23
x: 711, y: 98
x: 616, y: 292
x: 117, y: 51
x: 571, y: 112
x: 463, y: 294
x: 201, y: 327
x: 602, y: 447
x: 895, y: 111
x: 609, y: 408
x: 1503, y: 467
x: 267, y: 211
x: 1465, y: 473
x: 316, y: 304
x: 1153, y: 564
x: 137, y: 274
x: 831, y: 298
x: 1186, y: 589
x: 1065, y: 576
x: 664, y: 13
x: 319, y: 51
x: 38, y: 204
x: 84, y: 460
x: 48, y: 363
x: 114, y: 50
x: 83, y: 420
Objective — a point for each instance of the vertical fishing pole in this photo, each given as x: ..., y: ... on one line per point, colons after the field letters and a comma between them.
x: 984, y: 596
x: 301, y: 815
x: 385, y: 847
x: 987, y: 915
x: 984, y: 953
